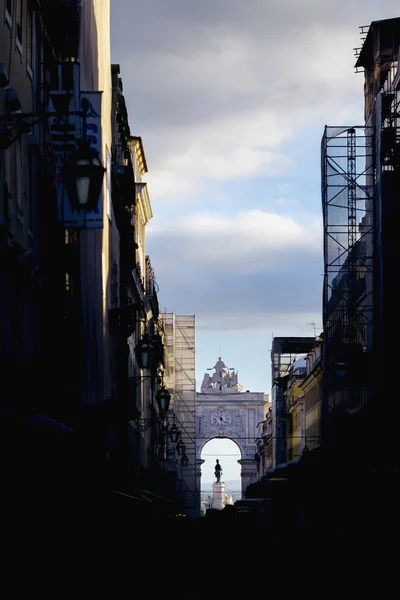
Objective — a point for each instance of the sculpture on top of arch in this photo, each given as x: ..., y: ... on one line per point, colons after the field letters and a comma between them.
x: 224, y: 379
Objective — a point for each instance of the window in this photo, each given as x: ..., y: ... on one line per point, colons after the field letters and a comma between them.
x: 67, y: 75
x: 108, y: 186
x: 6, y: 203
x: 29, y: 38
x: 8, y: 15
x: 290, y: 424
x: 62, y: 76
x: 9, y: 183
x: 19, y: 21
x: 31, y: 191
x: 19, y: 175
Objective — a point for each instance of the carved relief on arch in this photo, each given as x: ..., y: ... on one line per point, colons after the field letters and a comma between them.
x: 221, y: 420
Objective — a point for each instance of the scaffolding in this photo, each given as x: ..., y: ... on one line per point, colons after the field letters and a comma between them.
x: 360, y: 183
x: 348, y: 218
x: 180, y: 346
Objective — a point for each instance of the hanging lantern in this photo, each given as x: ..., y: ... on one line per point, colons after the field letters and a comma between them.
x: 163, y: 398
x: 83, y: 177
x: 174, y: 433
x: 184, y: 460
x: 144, y: 351
x: 180, y: 447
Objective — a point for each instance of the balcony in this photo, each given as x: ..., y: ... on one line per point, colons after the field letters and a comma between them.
x: 62, y: 21
x: 122, y: 164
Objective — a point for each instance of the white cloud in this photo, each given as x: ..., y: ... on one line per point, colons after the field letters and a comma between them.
x: 242, y: 243
x: 287, y: 202
x: 231, y: 91
x: 285, y: 323
x: 225, y: 101
x: 246, y: 145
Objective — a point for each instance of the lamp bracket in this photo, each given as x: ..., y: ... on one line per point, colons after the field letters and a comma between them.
x: 16, y: 123
x: 136, y: 380
x: 36, y: 117
x: 144, y: 424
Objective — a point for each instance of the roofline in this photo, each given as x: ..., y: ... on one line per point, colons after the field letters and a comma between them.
x: 138, y: 139
x: 368, y: 42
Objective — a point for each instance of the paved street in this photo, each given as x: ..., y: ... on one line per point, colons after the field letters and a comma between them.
x: 205, y: 558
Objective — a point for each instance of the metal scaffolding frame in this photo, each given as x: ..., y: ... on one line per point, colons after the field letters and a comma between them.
x: 180, y: 345
x: 348, y: 218
x: 360, y: 182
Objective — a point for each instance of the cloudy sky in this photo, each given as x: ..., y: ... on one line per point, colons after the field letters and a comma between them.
x: 231, y: 98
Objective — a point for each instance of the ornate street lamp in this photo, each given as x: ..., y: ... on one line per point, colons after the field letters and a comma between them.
x: 180, y: 447
x: 174, y: 433
x: 83, y: 176
x: 184, y: 460
x: 163, y: 398
x: 144, y: 351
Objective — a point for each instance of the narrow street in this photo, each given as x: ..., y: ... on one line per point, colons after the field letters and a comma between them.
x: 186, y: 184
x: 86, y: 547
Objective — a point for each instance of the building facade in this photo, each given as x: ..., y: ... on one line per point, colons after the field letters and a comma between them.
x: 78, y: 291
x: 284, y: 354
x: 359, y: 198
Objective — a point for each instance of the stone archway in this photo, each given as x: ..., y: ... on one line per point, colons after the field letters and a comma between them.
x: 224, y: 411
x: 219, y: 491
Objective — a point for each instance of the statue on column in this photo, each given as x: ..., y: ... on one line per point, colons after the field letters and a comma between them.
x: 218, y: 471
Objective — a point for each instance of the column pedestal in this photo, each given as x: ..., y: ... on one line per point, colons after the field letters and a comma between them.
x: 218, y: 496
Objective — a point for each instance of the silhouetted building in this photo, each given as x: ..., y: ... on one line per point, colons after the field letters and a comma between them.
x: 360, y: 187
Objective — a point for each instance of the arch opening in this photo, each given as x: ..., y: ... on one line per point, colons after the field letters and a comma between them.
x: 228, y: 452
